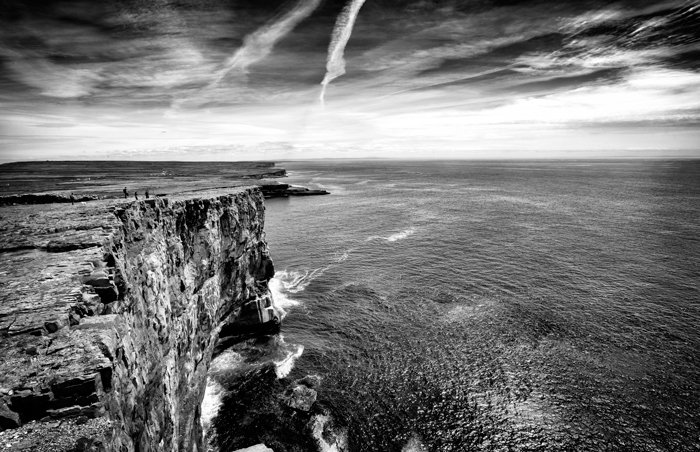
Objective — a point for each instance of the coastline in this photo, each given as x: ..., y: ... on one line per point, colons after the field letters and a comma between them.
x: 96, y: 311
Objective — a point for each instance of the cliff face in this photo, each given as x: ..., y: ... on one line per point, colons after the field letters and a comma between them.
x: 183, y: 268
x: 167, y: 277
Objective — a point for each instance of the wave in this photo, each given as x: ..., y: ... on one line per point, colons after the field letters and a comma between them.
x: 401, y: 235
x: 344, y: 256
x: 414, y: 445
x: 393, y: 237
x: 214, y: 391
x: 340, y: 439
x: 211, y: 403
x: 284, y: 366
x: 292, y: 281
x: 286, y: 282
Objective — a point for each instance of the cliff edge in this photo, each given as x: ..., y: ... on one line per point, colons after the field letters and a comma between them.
x: 109, y: 315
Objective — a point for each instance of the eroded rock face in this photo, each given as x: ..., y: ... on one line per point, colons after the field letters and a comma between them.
x: 182, y: 268
x: 123, y: 322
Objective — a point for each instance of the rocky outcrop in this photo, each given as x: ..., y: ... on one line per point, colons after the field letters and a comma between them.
x: 286, y: 190
x: 43, y: 198
x: 120, y: 321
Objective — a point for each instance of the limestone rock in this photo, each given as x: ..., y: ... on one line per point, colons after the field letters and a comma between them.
x: 8, y: 418
x: 311, y: 381
x: 113, y: 311
x: 256, y: 448
x: 299, y: 397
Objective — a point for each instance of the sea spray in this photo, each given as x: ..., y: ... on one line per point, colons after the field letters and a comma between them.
x: 414, y: 445
x: 211, y: 403
x: 227, y: 361
x: 335, y: 65
x: 326, y: 438
x: 292, y: 281
x: 284, y: 366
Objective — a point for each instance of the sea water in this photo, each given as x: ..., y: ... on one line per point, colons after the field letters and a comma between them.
x: 455, y: 306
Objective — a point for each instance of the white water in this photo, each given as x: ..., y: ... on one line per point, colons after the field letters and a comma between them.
x: 214, y: 392
x: 401, y: 235
x: 414, y: 445
x: 211, y: 403
x: 393, y: 237
x: 341, y: 440
x: 285, y: 366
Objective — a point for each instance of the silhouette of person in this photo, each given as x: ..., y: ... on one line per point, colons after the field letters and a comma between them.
x: 126, y: 193
x: 146, y: 194
x: 72, y: 199
x: 136, y: 195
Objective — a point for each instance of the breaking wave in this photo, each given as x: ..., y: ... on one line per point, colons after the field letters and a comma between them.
x: 394, y: 237
x: 337, y: 442
x: 284, y: 366
x: 401, y: 235
x: 214, y: 391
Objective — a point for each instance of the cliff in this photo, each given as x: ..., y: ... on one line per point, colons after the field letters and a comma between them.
x: 110, y: 315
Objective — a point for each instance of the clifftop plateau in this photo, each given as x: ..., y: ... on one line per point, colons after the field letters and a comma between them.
x: 56, y: 181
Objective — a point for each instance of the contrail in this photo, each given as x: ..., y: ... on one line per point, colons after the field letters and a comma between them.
x: 259, y: 44
x: 335, y: 65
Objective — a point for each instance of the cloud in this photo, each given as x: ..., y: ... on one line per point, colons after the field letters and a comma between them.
x: 452, y: 75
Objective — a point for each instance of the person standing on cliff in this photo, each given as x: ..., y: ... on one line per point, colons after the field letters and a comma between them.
x: 136, y: 195
x: 126, y: 193
x: 146, y: 193
x: 72, y: 199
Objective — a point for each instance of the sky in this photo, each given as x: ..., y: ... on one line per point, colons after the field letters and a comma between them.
x: 241, y: 79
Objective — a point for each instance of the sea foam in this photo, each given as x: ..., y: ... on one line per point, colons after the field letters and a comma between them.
x: 401, y: 235
x: 340, y: 442
x: 214, y: 392
x: 286, y: 364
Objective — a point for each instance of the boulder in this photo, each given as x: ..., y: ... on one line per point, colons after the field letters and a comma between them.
x: 8, y: 418
x: 310, y: 381
x: 299, y: 397
x: 256, y: 448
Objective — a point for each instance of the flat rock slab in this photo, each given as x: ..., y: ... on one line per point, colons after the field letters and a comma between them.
x: 41, y: 279
x: 54, y: 357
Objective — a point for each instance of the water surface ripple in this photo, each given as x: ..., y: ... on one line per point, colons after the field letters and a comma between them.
x: 497, y: 306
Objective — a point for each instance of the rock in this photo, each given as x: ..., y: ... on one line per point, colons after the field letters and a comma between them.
x: 256, y: 448
x: 8, y: 418
x: 286, y: 190
x: 310, y: 381
x: 54, y: 325
x: 80, y: 420
x: 88, y: 445
x: 62, y: 246
x: 170, y: 273
x: 300, y: 397
x: 42, y: 198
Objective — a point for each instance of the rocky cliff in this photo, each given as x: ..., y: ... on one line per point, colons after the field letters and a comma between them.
x: 114, y: 312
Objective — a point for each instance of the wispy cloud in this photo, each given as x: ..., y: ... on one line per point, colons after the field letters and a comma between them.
x: 448, y: 76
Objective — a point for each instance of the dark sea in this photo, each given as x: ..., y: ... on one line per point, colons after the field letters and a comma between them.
x: 480, y: 306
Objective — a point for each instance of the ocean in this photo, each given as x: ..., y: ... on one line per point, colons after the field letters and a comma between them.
x: 476, y: 305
